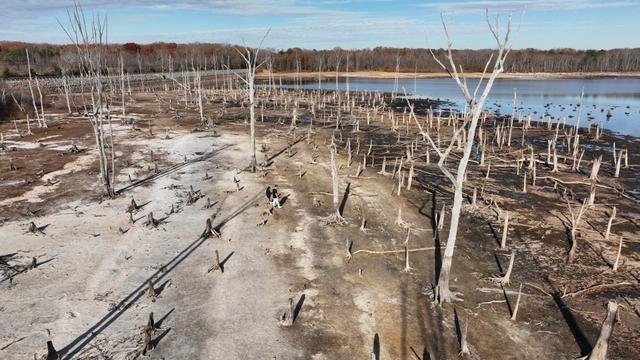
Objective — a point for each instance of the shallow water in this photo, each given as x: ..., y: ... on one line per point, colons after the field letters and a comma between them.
x: 557, y: 98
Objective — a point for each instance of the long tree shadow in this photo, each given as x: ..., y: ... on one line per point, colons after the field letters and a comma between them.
x: 581, y: 339
x: 164, y: 318
x: 376, y: 347
x: 494, y: 233
x: 171, y: 169
x: 79, y: 343
x: 156, y: 341
x: 298, y: 308
x: 345, y: 197
x: 425, y: 354
x: 437, y: 254
x: 269, y: 160
x: 23, y: 269
x: 506, y: 299
x: 403, y: 317
x: 498, y: 263
x: 224, y: 262
x: 458, y: 325
x: 162, y: 287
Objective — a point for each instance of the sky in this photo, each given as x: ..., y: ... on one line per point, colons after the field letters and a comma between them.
x: 325, y: 24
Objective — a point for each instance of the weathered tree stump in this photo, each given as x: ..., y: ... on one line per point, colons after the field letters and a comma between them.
x: 151, y: 292
x: 151, y: 222
x: 349, y: 255
x: 132, y: 206
x: 504, y: 279
x: 209, y: 231
x: 287, y: 318
x: 216, y: 264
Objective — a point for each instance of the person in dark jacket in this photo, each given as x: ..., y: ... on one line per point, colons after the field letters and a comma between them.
x: 269, y: 194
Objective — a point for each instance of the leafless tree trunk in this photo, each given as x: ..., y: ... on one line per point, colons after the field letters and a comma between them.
x: 336, y: 217
x: 515, y: 309
x: 124, y: 113
x: 250, y: 58
x: 575, y: 222
x: 615, y: 264
x: 89, y: 41
x: 67, y: 90
x: 505, y: 231
x: 611, y: 218
x: 599, y: 351
x: 475, y: 104
x: 33, y: 97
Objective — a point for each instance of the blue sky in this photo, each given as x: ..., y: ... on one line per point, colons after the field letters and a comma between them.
x: 323, y: 24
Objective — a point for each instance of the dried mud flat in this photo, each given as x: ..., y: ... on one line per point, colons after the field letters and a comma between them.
x: 88, y: 292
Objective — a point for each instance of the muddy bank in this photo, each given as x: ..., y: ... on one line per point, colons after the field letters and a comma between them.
x: 88, y: 292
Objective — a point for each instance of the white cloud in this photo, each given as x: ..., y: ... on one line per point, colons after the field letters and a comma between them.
x: 528, y: 5
x: 237, y: 7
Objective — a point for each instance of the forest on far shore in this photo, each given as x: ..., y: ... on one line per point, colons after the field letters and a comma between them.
x: 54, y: 60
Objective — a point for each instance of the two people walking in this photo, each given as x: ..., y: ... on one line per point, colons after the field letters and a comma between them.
x: 274, y: 196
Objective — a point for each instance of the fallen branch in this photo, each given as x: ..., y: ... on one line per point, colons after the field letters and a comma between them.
x: 596, y: 287
x: 391, y: 251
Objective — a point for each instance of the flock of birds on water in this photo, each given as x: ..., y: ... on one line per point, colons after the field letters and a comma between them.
x: 574, y: 107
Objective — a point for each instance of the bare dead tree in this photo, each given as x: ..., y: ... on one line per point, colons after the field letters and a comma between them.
x: 617, y: 261
x: 336, y: 217
x: 151, y: 292
x: 515, y: 309
x: 250, y: 57
x: 349, y: 255
x: 611, y: 218
x: 89, y: 40
x: 474, y: 103
x: 505, y: 231
x: 575, y: 217
x: 462, y: 329
x: 407, y: 266
x: 599, y: 351
x: 216, y: 264
x: 506, y: 278
x: 33, y: 97
x: 288, y: 317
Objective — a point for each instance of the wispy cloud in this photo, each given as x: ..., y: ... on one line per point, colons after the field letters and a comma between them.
x: 236, y: 7
x: 528, y: 5
x: 329, y: 23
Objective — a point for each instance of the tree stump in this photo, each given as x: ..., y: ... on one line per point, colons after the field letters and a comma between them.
x: 151, y: 292
x: 216, y: 264
x: 209, y: 231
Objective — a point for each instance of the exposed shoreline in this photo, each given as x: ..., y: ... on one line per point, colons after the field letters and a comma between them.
x: 402, y: 75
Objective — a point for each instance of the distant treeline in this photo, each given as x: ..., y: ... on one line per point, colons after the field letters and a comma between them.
x: 53, y: 60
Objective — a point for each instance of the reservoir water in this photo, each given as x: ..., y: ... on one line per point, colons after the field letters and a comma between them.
x: 618, y: 97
